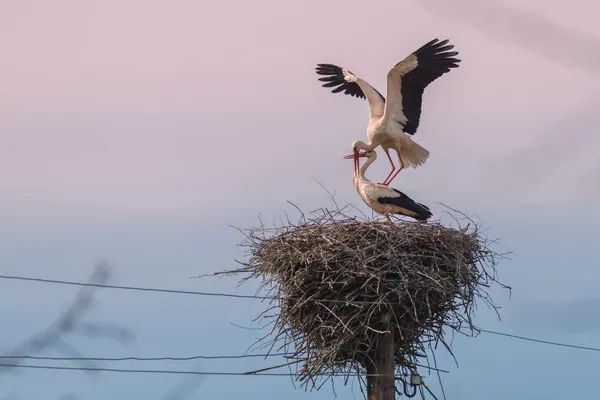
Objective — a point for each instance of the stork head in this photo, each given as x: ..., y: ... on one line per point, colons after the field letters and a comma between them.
x: 359, y: 145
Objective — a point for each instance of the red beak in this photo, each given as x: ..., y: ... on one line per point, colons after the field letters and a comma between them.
x: 359, y: 154
x: 355, y: 156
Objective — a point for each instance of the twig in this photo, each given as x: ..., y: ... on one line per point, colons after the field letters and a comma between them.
x: 70, y: 322
x: 426, y: 276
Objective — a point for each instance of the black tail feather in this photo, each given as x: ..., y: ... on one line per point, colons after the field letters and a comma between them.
x: 423, y: 214
x: 418, y: 211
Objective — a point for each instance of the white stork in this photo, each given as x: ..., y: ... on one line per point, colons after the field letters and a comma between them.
x: 381, y: 198
x: 391, y: 120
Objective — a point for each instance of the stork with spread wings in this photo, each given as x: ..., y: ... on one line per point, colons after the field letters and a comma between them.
x: 393, y: 120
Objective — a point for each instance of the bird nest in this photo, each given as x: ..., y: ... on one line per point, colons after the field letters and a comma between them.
x: 332, y: 278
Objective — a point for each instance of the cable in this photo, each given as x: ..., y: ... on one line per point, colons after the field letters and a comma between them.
x: 158, y: 290
x: 142, y: 371
x: 146, y: 289
x: 140, y: 358
x: 202, y: 357
x: 573, y: 346
x: 135, y: 288
x: 43, y: 358
x: 155, y: 371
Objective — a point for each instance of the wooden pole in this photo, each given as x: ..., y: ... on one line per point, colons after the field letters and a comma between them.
x: 381, y: 363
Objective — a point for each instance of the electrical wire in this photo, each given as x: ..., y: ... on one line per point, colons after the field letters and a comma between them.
x: 134, y: 288
x: 186, y: 292
x: 190, y: 358
x: 572, y: 346
x: 156, y: 371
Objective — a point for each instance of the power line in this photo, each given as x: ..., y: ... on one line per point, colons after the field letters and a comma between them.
x: 176, y: 291
x: 190, y: 358
x: 134, y: 288
x: 573, y: 346
x: 159, y: 290
x: 156, y: 371
x: 265, y: 355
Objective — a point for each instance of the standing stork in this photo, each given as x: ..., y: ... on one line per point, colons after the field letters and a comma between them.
x: 391, y: 120
x: 381, y: 198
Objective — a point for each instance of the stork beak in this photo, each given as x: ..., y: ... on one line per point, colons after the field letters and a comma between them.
x: 355, y: 157
x: 360, y: 154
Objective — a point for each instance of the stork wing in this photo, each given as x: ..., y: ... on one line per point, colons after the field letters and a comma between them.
x: 407, y: 80
x: 407, y: 205
x: 343, y: 80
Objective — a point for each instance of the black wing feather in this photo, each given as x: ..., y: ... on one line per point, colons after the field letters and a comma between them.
x: 421, y: 211
x: 433, y: 60
x: 334, y: 77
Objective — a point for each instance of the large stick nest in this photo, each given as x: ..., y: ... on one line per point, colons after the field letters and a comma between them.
x: 333, y: 278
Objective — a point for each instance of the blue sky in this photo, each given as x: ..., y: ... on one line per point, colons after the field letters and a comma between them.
x: 135, y: 132
x: 159, y: 254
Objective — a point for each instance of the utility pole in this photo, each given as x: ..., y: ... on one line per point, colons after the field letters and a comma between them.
x: 380, y: 363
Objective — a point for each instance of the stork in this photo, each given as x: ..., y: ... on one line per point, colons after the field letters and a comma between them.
x: 381, y: 198
x: 393, y: 120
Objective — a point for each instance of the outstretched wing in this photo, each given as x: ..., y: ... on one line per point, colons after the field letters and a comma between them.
x: 343, y: 80
x: 407, y: 81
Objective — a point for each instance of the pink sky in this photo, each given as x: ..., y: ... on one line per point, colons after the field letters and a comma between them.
x: 210, y: 113
x: 185, y: 107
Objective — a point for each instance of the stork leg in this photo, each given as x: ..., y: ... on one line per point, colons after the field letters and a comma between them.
x: 387, y: 151
x: 388, y: 218
x: 387, y: 182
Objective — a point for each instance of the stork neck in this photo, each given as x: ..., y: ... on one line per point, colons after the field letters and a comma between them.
x: 360, y: 145
x: 363, y: 168
x: 374, y: 141
x: 371, y: 145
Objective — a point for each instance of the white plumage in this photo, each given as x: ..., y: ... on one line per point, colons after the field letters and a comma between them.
x: 381, y: 198
x: 390, y: 121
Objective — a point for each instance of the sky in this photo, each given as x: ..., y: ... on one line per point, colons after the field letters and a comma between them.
x: 138, y: 132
